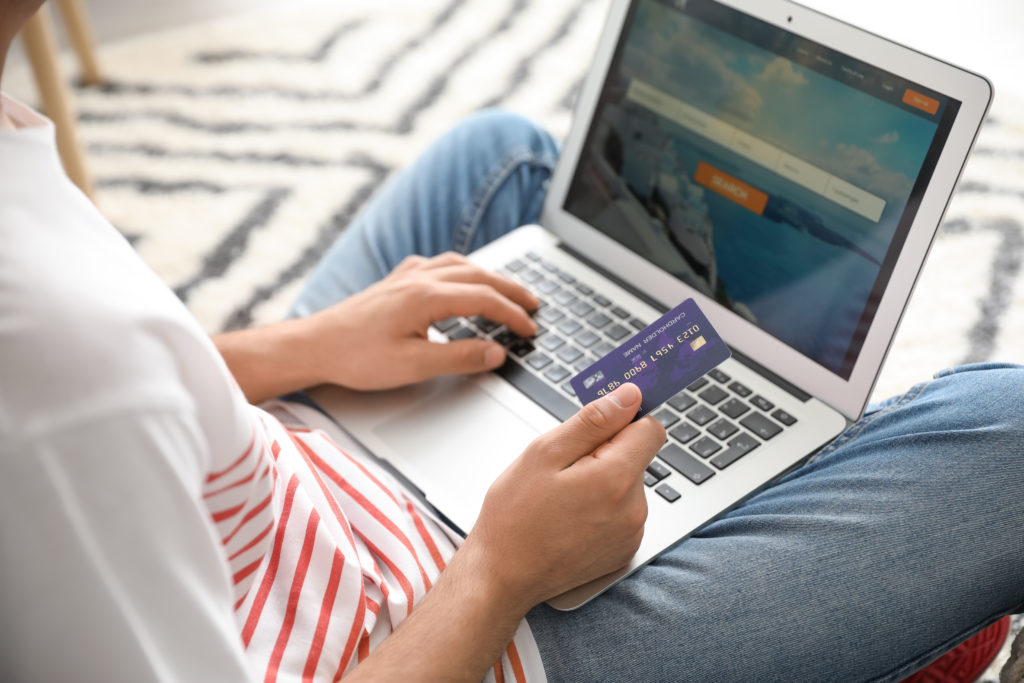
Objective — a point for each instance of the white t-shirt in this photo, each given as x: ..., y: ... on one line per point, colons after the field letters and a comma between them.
x: 153, y: 525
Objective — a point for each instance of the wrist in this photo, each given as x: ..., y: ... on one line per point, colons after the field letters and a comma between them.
x: 491, y: 577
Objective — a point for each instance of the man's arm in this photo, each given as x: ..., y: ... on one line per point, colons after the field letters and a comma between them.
x: 377, y: 339
x: 570, y: 509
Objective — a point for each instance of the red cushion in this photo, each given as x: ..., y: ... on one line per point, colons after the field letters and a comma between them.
x: 965, y: 662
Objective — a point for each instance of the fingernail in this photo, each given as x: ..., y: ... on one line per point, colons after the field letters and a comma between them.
x: 625, y: 396
x: 494, y: 356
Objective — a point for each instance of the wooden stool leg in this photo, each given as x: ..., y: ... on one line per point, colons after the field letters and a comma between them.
x: 42, y: 54
x: 80, y: 34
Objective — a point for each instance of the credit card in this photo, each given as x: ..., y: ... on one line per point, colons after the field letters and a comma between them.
x: 662, y: 359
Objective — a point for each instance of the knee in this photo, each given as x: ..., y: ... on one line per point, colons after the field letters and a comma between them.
x: 985, y: 396
x: 507, y: 130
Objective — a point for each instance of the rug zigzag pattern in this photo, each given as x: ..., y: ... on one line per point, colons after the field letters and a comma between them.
x: 233, y: 153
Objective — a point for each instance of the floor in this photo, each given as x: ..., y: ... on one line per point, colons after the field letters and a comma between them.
x: 984, y: 39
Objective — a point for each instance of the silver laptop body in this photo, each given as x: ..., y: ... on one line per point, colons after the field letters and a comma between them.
x: 784, y: 169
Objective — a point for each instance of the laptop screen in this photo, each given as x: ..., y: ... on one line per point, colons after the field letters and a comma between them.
x: 771, y: 173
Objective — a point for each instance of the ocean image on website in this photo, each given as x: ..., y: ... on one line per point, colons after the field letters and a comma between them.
x: 768, y: 186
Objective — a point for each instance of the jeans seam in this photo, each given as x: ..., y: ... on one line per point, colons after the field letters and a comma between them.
x: 466, y: 231
x: 858, y: 426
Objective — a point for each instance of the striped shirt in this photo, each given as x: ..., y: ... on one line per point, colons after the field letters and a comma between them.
x: 153, y: 525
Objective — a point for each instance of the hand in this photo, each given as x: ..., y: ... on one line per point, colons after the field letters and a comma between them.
x: 377, y: 339
x: 572, y: 507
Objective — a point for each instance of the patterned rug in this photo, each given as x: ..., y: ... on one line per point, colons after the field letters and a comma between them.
x: 233, y: 152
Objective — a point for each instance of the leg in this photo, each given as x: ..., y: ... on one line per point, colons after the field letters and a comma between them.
x: 482, y: 179
x: 899, y: 541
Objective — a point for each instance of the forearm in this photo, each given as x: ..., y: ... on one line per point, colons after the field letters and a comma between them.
x: 457, y: 632
x: 272, y: 360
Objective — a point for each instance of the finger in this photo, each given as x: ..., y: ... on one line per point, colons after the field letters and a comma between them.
x: 446, y: 299
x: 409, y: 263
x: 634, y: 447
x: 472, y: 274
x: 595, y: 423
x: 448, y: 258
x: 464, y: 357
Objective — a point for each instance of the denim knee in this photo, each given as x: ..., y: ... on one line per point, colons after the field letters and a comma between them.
x: 983, y: 394
x: 510, y: 128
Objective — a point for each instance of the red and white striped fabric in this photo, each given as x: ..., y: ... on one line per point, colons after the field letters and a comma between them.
x: 328, y: 555
x: 138, y: 489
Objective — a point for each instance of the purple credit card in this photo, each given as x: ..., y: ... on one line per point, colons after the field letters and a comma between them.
x: 662, y: 359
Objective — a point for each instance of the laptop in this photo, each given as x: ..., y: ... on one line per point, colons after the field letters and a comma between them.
x: 787, y: 171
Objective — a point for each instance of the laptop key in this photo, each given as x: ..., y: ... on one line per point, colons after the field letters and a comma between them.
x: 705, y: 447
x: 600, y: 300
x: 581, y: 308
x: 761, y: 425
x: 532, y: 255
x: 483, y: 324
x: 740, y: 389
x: 551, y: 315
x: 650, y: 479
x: 718, y: 375
x: 565, y: 298
x: 551, y: 342
x: 734, y: 408
x: 682, y: 401
x: 762, y: 403
x: 462, y: 332
x: 738, y: 447
x: 530, y: 275
x: 666, y: 417
x: 617, y: 332
x: 586, y: 339
x: 658, y: 470
x: 567, y: 388
x: 542, y: 393
x: 583, y: 289
x: 638, y: 323
x: 506, y: 337
x: 620, y: 312
x: 714, y: 395
x: 602, y: 349
x: 548, y: 287
x: 582, y: 364
x: 515, y: 265
x: 598, y: 320
x: 556, y: 373
x: 686, y: 464
x: 521, y: 348
x: 569, y: 327
x: 697, y: 383
x: 723, y: 429
x: 784, y: 417
x: 538, y: 361
x: 569, y: 354
x: 684, y: 433
x: 701, y: 415
x: 668, y: 493
x: 548, y: 266
x: 566, y: 278
x: 447, y: 324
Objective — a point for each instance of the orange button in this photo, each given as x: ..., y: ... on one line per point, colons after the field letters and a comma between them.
x: 724, y: 184
x: 916, y: 99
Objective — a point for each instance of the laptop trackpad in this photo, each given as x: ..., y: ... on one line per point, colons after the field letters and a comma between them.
x: 453, y: 445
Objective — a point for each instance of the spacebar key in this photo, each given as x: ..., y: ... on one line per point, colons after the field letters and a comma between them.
x: 545, y: 396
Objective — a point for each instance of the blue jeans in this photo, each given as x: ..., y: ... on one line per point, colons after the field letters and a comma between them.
x: 900, y: 539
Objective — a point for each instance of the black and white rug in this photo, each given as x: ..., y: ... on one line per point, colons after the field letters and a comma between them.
x: 233, y: 152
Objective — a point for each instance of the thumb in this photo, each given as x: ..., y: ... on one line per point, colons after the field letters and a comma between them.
x: 594, y: 424
x: 462, y: 357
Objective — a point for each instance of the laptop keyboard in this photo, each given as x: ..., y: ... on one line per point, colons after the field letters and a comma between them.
x: 711, y: 424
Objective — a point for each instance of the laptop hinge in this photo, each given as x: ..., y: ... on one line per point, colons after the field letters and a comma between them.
x: 790, y: 388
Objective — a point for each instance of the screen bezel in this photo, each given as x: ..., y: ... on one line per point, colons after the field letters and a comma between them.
x: 849, y: 396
